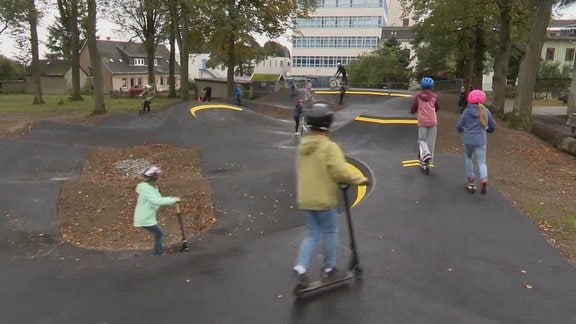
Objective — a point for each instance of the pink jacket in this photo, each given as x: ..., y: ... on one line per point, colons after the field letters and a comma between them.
x: 426, y: 104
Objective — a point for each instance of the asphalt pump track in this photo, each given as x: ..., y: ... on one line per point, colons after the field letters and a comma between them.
x: 431, y: 252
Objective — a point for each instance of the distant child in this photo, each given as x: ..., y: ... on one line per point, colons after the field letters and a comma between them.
x: 149, y: 202
x: 308, y: 90
x: 297, y: 115
x: 462, y: 103
x: 426, y: 105
x: 342, y: 93
x: 475, y: 121
x: 320, y: 169
x: 292, y: 87
x: 237, y: 92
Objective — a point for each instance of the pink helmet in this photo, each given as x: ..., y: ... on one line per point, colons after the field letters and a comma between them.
x: 476, y: 96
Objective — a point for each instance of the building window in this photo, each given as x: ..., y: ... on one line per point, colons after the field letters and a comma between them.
x: 138, y: 61
x: 156, y: 62
x: 550, y: 54
x: 405, y: 22
x: 569, y: 55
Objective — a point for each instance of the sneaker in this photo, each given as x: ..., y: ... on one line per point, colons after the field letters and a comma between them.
x: 470, y: 180
x: 328, y: 275
x: 301, y: 280
x: 484, y: 188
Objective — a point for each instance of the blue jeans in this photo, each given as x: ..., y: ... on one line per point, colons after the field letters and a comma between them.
x: 323, y: 225
x: 158, y: 237
x: 478, y: 152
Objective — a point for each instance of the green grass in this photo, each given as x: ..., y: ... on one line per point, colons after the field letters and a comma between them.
x: 61, y: 105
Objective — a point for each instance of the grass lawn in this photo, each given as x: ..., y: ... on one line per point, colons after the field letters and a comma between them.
x: 59, y: 105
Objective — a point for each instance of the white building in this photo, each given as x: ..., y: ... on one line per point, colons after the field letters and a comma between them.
x: 339, y: 31
x: 197, y: 68
x: 274, y: 65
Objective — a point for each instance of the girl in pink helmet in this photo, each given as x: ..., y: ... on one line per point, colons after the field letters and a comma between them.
x: 475, y: 121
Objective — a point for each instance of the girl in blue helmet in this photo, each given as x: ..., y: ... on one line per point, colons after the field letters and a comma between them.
x: 426, y: 105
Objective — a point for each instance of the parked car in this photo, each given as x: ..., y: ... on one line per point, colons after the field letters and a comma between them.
x: 136, y: 90
x: 564, y: 95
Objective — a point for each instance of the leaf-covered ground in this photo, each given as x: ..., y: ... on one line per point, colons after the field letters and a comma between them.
x: 96, y: 210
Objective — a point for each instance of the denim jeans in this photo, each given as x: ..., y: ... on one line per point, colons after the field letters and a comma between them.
x: 158, y: 237
x: 323, y: 225
x: 478, y: 152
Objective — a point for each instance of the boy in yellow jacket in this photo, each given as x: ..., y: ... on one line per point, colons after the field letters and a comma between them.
x: 149, y: 202
x: 320, y: 169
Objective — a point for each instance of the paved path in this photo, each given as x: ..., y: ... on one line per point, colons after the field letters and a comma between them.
x: 431, y: 252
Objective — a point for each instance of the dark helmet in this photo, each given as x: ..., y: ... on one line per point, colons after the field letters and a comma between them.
x: 319, y: 117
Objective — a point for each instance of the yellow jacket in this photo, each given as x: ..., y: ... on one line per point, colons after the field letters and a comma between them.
x: 320, y: 169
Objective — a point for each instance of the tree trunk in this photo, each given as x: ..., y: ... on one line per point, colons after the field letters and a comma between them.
x: 502, y: 60
x: 521, y: 116
x: 36, y: 81
x: 572, y: 95
x: 74, y: 47
x: 231, y: 63
x: 479, y: 54
x: 150, y: 43
x: 172, y: 59
x: 184, y: 53
x: 96, y: 60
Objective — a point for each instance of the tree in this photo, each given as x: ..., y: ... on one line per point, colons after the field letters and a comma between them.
x: 144, y: 19
x: 65, y: 39
x: 32, y: 17
x: 383, y: 67
x: 96, y: 59
x: 10, y: 69
x: 521, y: 116
x: 234, y: 21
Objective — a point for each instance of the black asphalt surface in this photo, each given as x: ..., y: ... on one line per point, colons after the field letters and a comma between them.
x: 431, y: 252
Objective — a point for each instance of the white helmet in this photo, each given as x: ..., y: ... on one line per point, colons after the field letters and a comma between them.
x: 152, y: 172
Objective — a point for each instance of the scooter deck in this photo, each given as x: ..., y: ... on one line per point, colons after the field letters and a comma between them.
x: 319, y: 284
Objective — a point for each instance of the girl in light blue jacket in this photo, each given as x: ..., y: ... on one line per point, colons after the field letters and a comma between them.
x: 149, y: 202
x: 475, y: 122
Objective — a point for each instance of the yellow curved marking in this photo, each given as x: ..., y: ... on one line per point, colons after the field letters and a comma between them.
x: 386, y: 121
x: 373, y: 93
x: 361, y: 191
x: 193, y: 110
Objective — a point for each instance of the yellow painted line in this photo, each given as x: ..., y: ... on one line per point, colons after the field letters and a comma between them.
x: 410, y: 161
x: 361, y: 191
x: 193, y: 110
x: 373, y: 93
x: 405, y: 165
x: 387, y: 121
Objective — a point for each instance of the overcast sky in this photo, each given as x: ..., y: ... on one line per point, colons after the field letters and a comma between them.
x: 106, y: 29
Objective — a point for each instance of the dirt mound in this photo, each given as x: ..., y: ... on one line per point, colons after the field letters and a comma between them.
x: 96, y: 210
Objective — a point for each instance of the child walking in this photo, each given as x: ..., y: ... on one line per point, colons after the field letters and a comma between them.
x: 426, y: 105
x: 149, y: 202
x: 475, y: 122
x: 297, y: 116
x: 320, y: 169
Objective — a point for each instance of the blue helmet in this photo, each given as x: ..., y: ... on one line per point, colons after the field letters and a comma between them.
x: 427, y: 83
